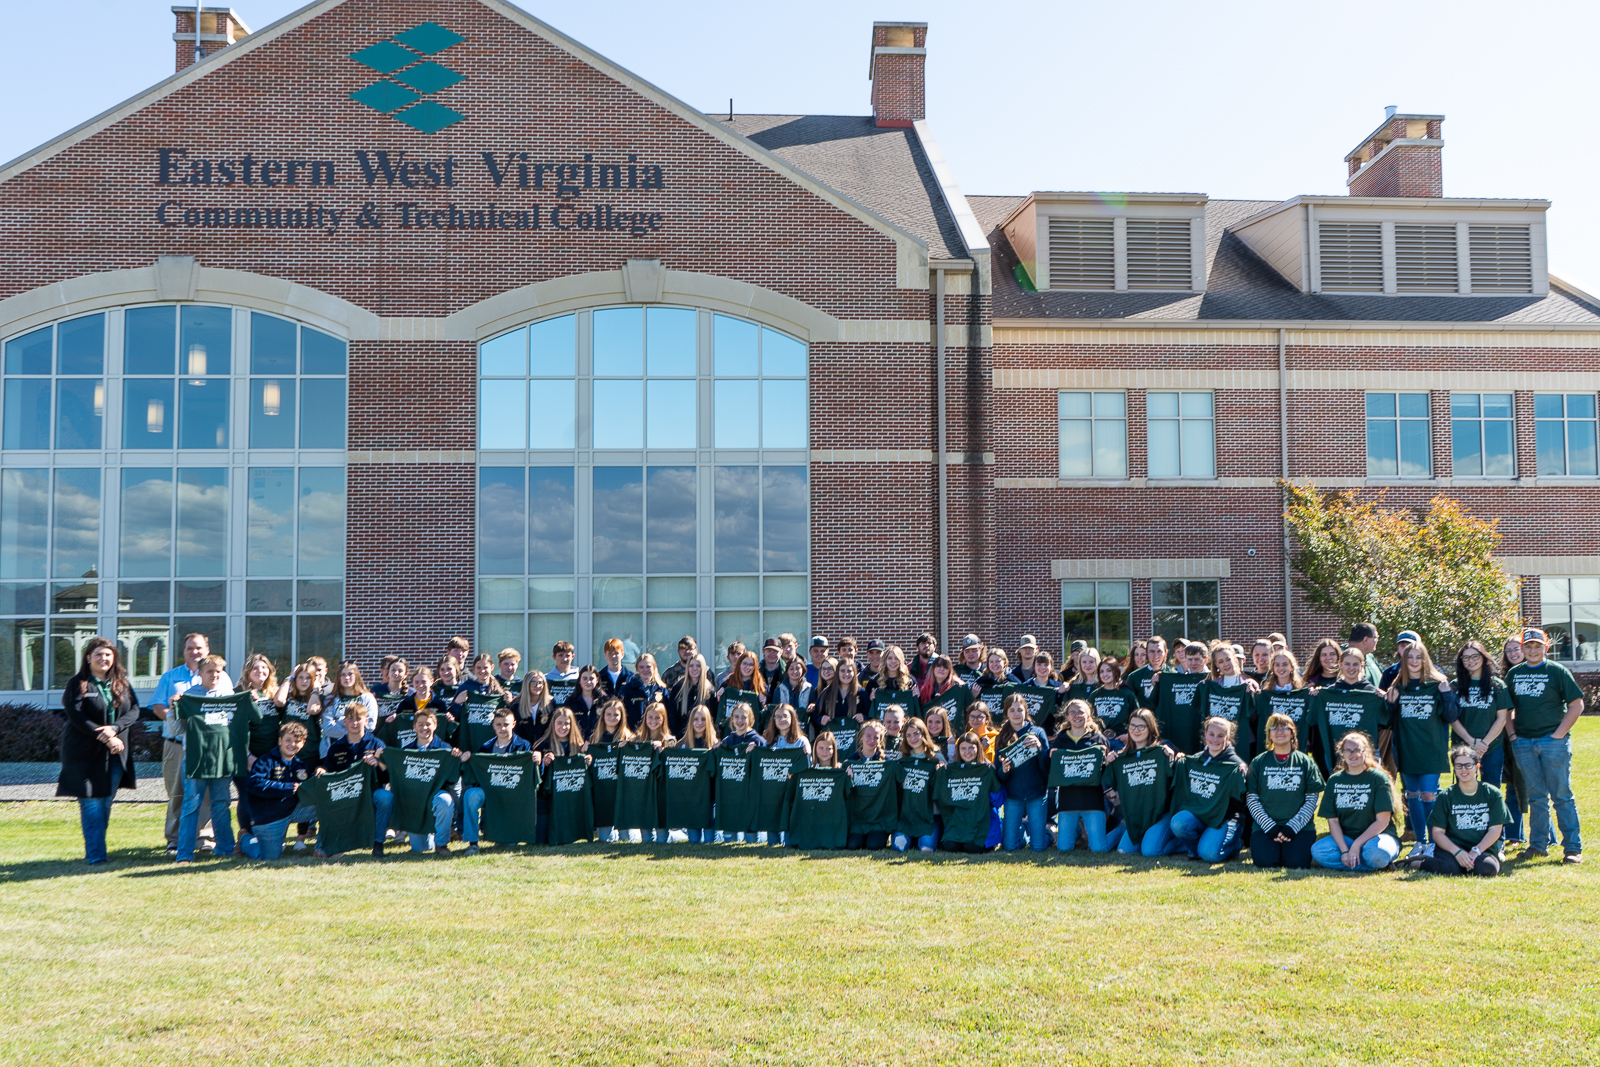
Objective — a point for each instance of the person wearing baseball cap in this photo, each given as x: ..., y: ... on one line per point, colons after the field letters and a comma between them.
x: 819, y: 652
x: 1027, y: 648
x: 970, y: 665
x: 1545, y: 702
x: 772, y: 665
x: 1403, y: 641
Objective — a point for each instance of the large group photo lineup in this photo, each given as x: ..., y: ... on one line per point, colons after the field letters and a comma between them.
x: 1204, y: 750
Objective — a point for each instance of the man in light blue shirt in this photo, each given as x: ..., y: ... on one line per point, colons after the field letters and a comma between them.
x: 173, y: 685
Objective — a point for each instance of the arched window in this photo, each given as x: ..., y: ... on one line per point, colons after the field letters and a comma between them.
x: 167, y: 469
x: 642, y: 475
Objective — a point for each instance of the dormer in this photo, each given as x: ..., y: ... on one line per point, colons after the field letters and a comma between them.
x: 1111, y: 242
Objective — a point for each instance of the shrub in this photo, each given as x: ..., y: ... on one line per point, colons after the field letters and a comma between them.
x: 31, y: 734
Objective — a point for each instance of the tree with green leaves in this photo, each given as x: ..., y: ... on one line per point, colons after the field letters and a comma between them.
x: 1433, y: 572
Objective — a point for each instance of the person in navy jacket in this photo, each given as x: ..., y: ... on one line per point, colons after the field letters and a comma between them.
x: 1022, y: 763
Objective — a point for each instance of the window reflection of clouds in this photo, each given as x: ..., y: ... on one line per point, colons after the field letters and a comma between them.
x: 618, y: 520
x: 75, y: 527
x: 670, y: 532
x: 737, y: 518
x: 322, y: 516
x: 550, y: 527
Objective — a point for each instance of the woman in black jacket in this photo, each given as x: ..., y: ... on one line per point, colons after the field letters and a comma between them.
x: 97, y: 744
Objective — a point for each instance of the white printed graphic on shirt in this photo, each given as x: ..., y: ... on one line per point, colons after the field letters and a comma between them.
x: 345, y: 790
x: 773, y: 770
x: 915, y: 781
x: 1530, y: 685
x: 1471, y: 816
x: 1078, y: 764
x: 867, y: 775
x: 1286, y: 779
x: 506, y: 777
x: 1351, y: 796
x: 570, y: 780
x: 965, y: 789
x: 1416, y: 707
x: 636, y: 767
x: 816, y: 789
x: 419, y: 769
x: 1141, y: 774
x: 682, y: 770
x: 731, y: 770
x: 1346, y: 715
x: 1204, y: 783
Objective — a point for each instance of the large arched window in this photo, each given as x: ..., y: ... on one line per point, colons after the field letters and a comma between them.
x: 167, y: 469
x: 642, y: 475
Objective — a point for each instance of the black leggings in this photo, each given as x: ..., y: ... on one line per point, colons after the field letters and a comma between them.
x: 961, y: 846
x: 1441, y: 862
x: 872, y: 840
x: 1294, y: 853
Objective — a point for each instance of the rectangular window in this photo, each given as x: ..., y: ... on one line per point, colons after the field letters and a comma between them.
x: 1082, y: 254
x: 1564, y: 434
x: 1100, y: 613
x: 1397, y: 436
x: 1570, y: 613
x: 1483, y: 435
x: 75, y: 352
x: 1351, y: 258
x: 1181, y: 435
x: 1185, y: 609
x: 1092, y: 429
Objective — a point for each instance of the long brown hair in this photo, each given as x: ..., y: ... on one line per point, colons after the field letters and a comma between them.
x: 1313, y: 662
x: 574, y: 742
x: 271, y: 685
x: 116, y: 677
x: 360, y: 684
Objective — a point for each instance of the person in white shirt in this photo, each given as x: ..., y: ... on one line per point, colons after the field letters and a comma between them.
x: 169, y: 688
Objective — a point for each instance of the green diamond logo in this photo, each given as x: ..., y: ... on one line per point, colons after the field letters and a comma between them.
x: 384, y: 57
x: 411, y: 77
x: 384, y: 96
x: 429, y: 117
x: 429, y: 38
x: 428, y: 77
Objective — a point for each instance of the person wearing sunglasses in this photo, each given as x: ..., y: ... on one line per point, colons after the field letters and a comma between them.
x: 1467, y: 822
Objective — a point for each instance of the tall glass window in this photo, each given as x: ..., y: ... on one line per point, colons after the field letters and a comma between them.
x: 170, y: 469
x: 1564, y: 434
x: 642, y: 476
x: 1181, y: 609
x: 1397, y: 436
x: 1182, y: 439
x: 1483, y: 435
x: 1100, y: 613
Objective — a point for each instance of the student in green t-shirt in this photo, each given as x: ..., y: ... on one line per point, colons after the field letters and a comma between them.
x: 872, y: 801
x: 1141, y: 775
x: 920, y: 758
x: 818, y: 802
x: 689, y: 785
x: 1422, y: 708
x: 1281, y: 793
x: 1358, y: 803
x: 965, y: 790
x: 210, y: 753
x: 1485, y: 707
x: 1113, y: 700
x: 1545, y: 703
x: 1467, y: 823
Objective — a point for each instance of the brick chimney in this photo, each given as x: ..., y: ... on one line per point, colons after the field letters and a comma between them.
x: 896, y: 72
x: 219, y: 27
x: 1399, y: 158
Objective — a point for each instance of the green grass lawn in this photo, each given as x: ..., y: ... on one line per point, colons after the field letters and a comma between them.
x: 731, y: 955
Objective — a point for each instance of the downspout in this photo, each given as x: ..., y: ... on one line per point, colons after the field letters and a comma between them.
x: 944, y: 462
x: 198, y: 55
x: 1283, y: 502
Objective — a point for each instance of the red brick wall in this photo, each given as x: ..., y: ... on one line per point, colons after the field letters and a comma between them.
x: 1407, y: 170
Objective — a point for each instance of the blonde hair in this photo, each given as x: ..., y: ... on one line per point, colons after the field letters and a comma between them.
x: 708, y: 735
x: 272, y: 671
x: 621, y: 735
x: 661, y: 734
x: 574, y: 742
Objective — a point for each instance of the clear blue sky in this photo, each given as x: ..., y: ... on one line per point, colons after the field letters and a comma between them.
x: 1236, y: 100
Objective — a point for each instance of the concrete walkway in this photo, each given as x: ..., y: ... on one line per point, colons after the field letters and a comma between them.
x: 37, y: 781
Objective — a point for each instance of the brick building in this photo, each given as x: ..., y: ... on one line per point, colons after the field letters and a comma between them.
x: 399, y: 319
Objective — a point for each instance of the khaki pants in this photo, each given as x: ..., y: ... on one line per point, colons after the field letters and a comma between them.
x: 172, y: 776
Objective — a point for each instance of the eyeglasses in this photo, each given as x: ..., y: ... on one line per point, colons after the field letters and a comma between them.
x: 1280, y: 729
x: 1465, y: 766
x: 1468, y: 657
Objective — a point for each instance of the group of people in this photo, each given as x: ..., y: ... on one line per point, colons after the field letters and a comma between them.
x: 1205, y: 749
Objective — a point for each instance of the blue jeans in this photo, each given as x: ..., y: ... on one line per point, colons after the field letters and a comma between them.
x: 1157, y: 840
x: 1493, y: 771
x: 221, y: 817
x: 264, y: 841
x: 1375, y: 854
x: 697, y: 837
x: 1422, y: 792
x: 1011, y: 824
x: 657, y: 835
x: 1094, y: 826
x: 1547, y: 772
x: 1211, y: 844
x: 444, y: 817
x: 925, y: 843
x: 94, y: 813
x: 471, y: 806
x: 382, y: 807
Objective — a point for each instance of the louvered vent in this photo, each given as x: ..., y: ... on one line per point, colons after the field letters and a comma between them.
x: 1082, y: 254
x: 1159, y: 254
x: 1352, y: 256
x: 1502, y: 259
x: 1425, y: 258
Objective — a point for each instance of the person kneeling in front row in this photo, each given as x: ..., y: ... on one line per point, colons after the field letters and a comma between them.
x: 1466, y: 822
x: 272, y: 787
x: 504, y: 742
x: 1359, y: 806
x: 425, y: 722
x: 357, y: 744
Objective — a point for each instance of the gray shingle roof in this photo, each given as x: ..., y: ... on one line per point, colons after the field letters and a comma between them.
x: 1240, y: 286
x: 883, y: 170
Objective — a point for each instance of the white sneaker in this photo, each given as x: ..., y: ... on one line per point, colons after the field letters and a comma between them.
x: 1427, y: 851
x: 1418, y: 851
x: 300, y: 846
